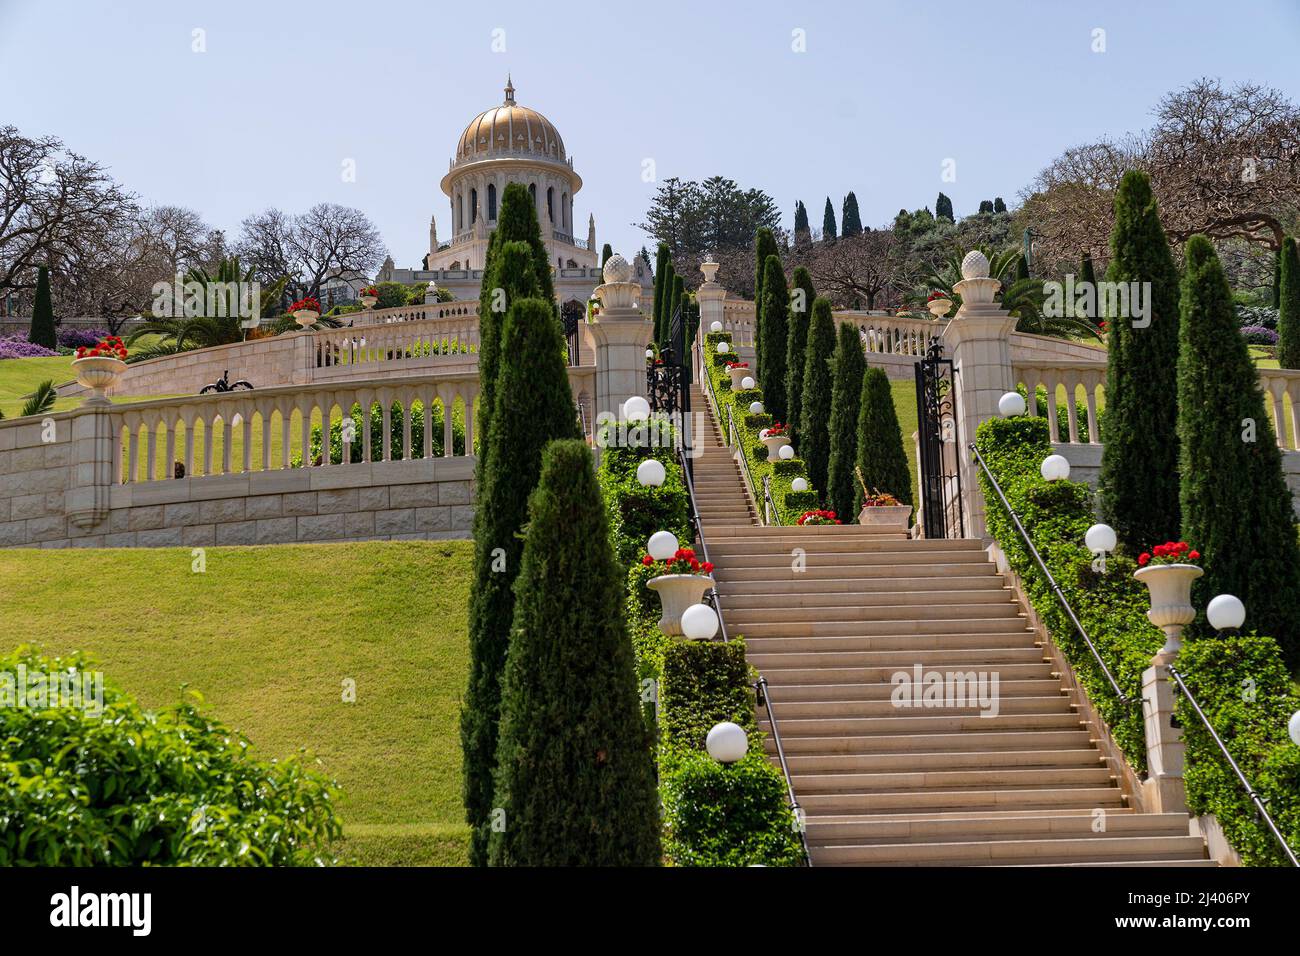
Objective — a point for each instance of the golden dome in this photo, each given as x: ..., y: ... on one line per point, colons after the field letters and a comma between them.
x: 509, y: 128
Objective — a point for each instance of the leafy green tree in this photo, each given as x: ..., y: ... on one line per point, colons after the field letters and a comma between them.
x: 574, y: 777
x: 43, y: 332
x: 665, y: 317
x: 764, y: 246
x: 828, y: 222
x: 846, y: 397
x: 802, y: 295
x: 532, y: 404
x: 775, y: 309
x: 802, y: 232
x: 1139, y: 462
x: 815, y: 414
x: 881, y: 457
x: 986, y: 207
x: 943, y: 208
x: 999, y: 205
x: 850, y: 221
x: 679, y: 295
x: 1236, y: 507
x: 1288, y: 299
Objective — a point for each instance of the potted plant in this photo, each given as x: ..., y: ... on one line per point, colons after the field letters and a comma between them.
x: 99, y: 367
x: 776, y: 436
x: 938, y: 303
x: 818, y: 517
x: 682, y: 582
x: 369, y: 296
x: 306, y: 312
x: 738, y: 371
x: 881, y: 509
x: 1169, y: 570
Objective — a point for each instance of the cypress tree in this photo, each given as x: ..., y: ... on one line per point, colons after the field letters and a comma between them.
x: 801, y: 303
x: 606, y: 251
x: 1139, y: 462
x: 775, y: 309
x: 1288, y: 305
x: 815, y: 414
x: 1086, y: 272
x: 850, y: 221
x: 42, y: 331
x: 662, y: 264
x: 846, y: 396
x: 943, y: 208
x: 801, y: 228
x: 999, y: 205
x: 986, y: 206
x: 533, y: 405
x: 881, y: 457
x: 1277, y: 278
x: 679, y: 294
x: 828, y: 222
x: 1236, y: 506
x: 764, y: 246
x: 575, y: 777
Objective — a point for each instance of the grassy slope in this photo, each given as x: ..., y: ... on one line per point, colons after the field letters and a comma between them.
x: 267, y: 635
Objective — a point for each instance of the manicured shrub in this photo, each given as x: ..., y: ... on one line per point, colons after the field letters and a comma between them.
x: 775, y: 307
x: 846, y: 397
x: 42, y: 332
x: 814, y: 440
x: 1236, y: 505
x: 663, y: 286
x: 574, y: 779
x: 129, y: 787
x: 396, y: 417
x: 1139, y: 464
x: 802, y: 296
x: 636, y: 512
x: 1288, y: 305
x: 881, y: 458
x: 764, y: 246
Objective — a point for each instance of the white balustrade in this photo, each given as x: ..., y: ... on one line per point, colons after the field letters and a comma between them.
x: 1090, y: 377
x: 892, y: 334
x: 409, y: 342
x: 1281, y: 388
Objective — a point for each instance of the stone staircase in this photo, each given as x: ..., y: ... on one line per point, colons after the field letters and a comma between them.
x: 831, y: 614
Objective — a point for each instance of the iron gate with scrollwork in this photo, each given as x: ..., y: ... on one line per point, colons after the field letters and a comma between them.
x: 940, y: 506
x: 668, y: 376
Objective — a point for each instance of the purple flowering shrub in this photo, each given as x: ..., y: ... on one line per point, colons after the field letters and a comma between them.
x: 16, y: 346
x: 80, y: 338
x: 1258, y: 335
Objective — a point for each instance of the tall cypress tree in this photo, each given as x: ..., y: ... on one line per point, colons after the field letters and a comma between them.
x: 1236, y: 506
x: 846, y: 396
x: 666, y: 314
x: 606, y: 251
x: 828, y: 222
x: 575, y: 777
x: 764, y: 246
x: 802, y: 295
x: 1086, y: 271
x: 42, y: 331
x: 850, y: 222
x: 775, y: 309
x: 999, y: 205
x: 1139, y: 462
x: 533, y: 405
x: 943, y: 208
x: 815, y: 414
x: 1277, y: 278
x: 663, y: 262
x: 679, y: 294
x: 1288, y: 305
x: 881, y: 457
x: 801, y: 228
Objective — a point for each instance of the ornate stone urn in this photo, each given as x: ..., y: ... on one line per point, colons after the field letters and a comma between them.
x: 98, y: 373
x: 738, y: 375
x: 939, y: 307
x: 676, y: 593
x: 774, y: 444
x: 893, y: 518
x: 1171, y: 602
x: 306, y: 318
x: 369, y: 301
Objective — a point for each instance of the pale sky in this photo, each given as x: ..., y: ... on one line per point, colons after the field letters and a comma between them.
x: 883, y: 93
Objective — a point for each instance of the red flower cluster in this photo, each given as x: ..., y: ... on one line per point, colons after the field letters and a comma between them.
x: 369, y: 290
x: 778, y: 430
x: 311, y: 302
x: 1101, y: 324
x: 819, y: 517
x: 683, y: 561
x: 731, y: 365
x: 937, y: 294
x: 110, y: 347
x: 1171, y: 552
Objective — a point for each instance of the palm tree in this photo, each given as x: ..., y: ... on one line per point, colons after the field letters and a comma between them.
x: 40, y: 401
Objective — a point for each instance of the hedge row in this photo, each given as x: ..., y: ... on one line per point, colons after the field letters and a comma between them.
x: 1240, y: 681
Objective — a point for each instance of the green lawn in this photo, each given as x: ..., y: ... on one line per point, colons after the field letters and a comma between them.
x: 268, y: 635
x: 905, y: 406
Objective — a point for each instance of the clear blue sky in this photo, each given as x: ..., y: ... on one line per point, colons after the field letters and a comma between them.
x: 886, y: 90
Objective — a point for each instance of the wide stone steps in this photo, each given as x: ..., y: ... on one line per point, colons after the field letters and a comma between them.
x: 916, y: 611
x: 962, y: 625
x: 776, y: 589
x: 906, y: 741
x: 1084, y: 756
x: 1096, y: 848
x: 968, y: 660
x: 863, y: 726
x: 1037, y: 798
x: 844, y: 570
x: 828, y: 709
x: 884, y: 690
x: 885, y: 642
x: 780, y: 678
x: 1001, y: 778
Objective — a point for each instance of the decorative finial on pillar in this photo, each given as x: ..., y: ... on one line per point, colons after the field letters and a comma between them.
x: 510, y: 91
x: 976, y: 288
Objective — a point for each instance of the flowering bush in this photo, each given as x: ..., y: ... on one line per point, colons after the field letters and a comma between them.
x: 308, y: 304
x: 936, y: 295
x: 880, y: 499
x: 77, y: 338
x: 15, y: 346
x: 819, y: 517
x: 369, y: 291
x: 1258, y: 335
x: 683, y: 562
x: 777, y: 430
x: 108, y: 347
x: 731, y: 365
x: 1171, y: 552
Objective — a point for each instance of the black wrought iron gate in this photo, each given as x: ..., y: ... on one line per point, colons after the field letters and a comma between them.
x: 939, y: 463
x: 668, y: 376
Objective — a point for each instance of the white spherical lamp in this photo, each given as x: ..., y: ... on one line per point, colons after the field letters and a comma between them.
x: 1225, y: 611
x: 786, y: 452
x: 756, y: 408
x: 799, y: 484
x: 649, y: 353
x: 726, y: 742
x: 1100, y: 537
x: 699, y: 622
x: 1293, y: 727
x: 636, y: 409
x: 1055, y: 468
x: 662, y: 545
x: 747, y: 382
x: 1011, y: 404
x: 650, y: 473
x: 715, y: 326
x: 723, y: 348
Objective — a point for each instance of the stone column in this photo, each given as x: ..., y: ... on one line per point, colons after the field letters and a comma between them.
x: 87, y: 499
x: 710, y: 296
x: 1163, y: 790
x: 978, y: 341
x: 622, y: 333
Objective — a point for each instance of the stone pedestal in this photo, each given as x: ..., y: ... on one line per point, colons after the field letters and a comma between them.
x: 1163, y: 789
x: 622, y: 333
x: 710, y: 296
x: 93, y: 446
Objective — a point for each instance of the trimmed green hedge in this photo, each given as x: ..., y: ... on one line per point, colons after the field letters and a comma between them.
x: 636, y: 512
x: 1240, y: 681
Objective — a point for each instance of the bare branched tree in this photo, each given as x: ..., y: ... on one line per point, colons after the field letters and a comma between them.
x: 326, y: 240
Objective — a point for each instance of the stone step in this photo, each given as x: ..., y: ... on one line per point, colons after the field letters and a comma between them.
x: 883, y: 690
x: 946, y: 800
x: 915, y: 721
x: 1093, y: 848
x: 825, y: 599
x: 1004, y: 778
x: 974, y: 760
x: 824, y: 532
x: 780, y: 677
x: 1126, y: 863
x: 890, y: 561
x: 975, y: 585
x: 846, y: 571
x: 892, y: 642
x: 793, y: 710
x: 965, y: 660
x: 992, y: 625
x: 742, y: 612
x: 904, y: 741
x: 963, y: 828
x: 873, y: 544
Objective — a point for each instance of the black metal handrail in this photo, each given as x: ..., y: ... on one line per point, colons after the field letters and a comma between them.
x: 764, y: 697
x: 1056, y: 588
x: 698, y: 526
x: 768, y: 501
x: 744, y: 466
x: 1254, y: 796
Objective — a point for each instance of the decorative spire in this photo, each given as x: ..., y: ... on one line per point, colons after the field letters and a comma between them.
x: 510, y: 91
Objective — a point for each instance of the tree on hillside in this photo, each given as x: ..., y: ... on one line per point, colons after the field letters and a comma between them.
x: 862, y: 271
x: 943, y: 208
x: 1139, y: 462
x: 828, y: 222
x: 575, y: 779
x: 1288, y: 300
x: 999, y: 205
x: 802, y: 232
x: 986, y: 207
x: 802, y: 295
x: 697, y: 217
x: 606, y: 251
x: 881, y: 458
x: 674, y: 307
x: 42, y: 331
x: 846, y: 397
x: 764, y: 246
x: 663, y: 262
x: 327, y: 240
x: 850, y: 221
x: 775, y: 309
x: 815, y: 440
x: 1086, y: 271
x: 1236, y: 506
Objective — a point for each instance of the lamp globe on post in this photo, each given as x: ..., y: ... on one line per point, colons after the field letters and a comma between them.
x: 1100, y: 538
x: 756, y: 408
x: 1226, y: 612
x: 747, y: 382
x: 636, y: 409
x: 699, y: 622
x: 799, y: 484
x: 662, y: 545
x: 649, y: 353
x: 650, y: 473
x: 715, y: 326
x: 723, y: 348
x: 1011, y: 404
x: 726, y: 742
x: 1055, y: 468
x: 786, y: 452
x: 1293, y: 728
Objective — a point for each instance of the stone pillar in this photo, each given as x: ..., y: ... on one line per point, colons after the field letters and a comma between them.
x: 93, y: 440
x: 1163, y: 789
x: 977, y: 340
x: 622, y: 333
x: 710, y: 296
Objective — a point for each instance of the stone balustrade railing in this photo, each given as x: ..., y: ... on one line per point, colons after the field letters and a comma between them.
x: 1081, y: 381
x: 1281, y: 389
x: 892, y: 334
x: 414, y: 343
x: 466, y: 311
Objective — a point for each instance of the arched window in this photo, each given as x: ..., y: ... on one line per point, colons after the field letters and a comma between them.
x: 473, y: 205
x: 550, y: 204
x: 492, y: 202
x: 532, y: 192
